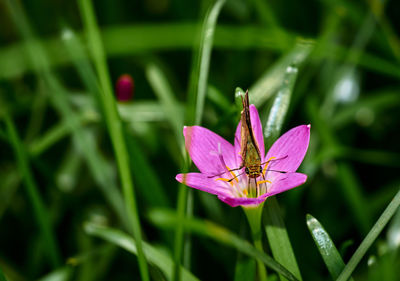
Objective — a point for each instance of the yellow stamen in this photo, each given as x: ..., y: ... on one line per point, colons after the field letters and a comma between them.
x: 232, y: 173
x: 245, y: 192
x: 222, y: 179
x: 263, y: 181
x: 266, y: 165
x: 227, y: 180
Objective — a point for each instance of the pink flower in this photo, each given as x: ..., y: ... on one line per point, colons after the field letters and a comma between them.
x: 218, y: 162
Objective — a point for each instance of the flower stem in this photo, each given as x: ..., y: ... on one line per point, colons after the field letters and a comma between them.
x: 253, y: 215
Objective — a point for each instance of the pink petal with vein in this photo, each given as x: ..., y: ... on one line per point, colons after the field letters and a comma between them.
x: 206, y: 148
x: 284, y: 182
x: 290, y: 149
x: 202, y: 182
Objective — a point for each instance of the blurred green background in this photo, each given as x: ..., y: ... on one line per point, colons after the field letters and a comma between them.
x: 59, y: 141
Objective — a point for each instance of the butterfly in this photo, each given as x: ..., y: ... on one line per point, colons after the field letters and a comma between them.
x: 251, y: 157
x: 250, y: 154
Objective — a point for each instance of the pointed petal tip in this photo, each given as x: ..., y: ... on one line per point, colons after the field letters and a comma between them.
x: 179, y: 177
x: 292, y: 147
x: 187, y: 130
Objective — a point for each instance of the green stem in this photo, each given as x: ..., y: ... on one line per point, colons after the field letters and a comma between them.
x: 179, y: 233
x: 370, y: 238
x: 197, y: 93
x: 115, y: 128
x: 253, y: 215
x: 39, y: 209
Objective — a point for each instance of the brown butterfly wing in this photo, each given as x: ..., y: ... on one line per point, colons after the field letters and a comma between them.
x: 249, y: 149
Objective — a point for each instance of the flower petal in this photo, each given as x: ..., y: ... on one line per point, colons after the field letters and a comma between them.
x: 284, y: 182
x: 242, y: 201
x: 206, y: 148
x: 257, y: 131
x: 290, y: 149
x: 281, y: 183
x: 203, y: 182
x: 237, y: 147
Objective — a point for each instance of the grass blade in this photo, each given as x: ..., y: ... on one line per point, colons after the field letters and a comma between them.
x: 178, y: 36
x: 162, y: 261
x: 275, y: 229
x: 62, y: 274
x: 82, y: 138
x: 201, y: 63
x: 9, y: 186
x: 393, y: 232
x: 280, y: 106
x: 115, y: 128
x: 141, y: 169
x: 278, y: 237
x: 39, y: 209
x: 245, y: 269
x: 146, y: 177
x: 326, y: 248
x: 169, y: 219
x: 164, y: 92
x: 370, y: 238
x: 194, y: 109
x: 273, y: 78
x: 153, y: 38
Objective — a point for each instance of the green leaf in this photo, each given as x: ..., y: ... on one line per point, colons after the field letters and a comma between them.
x: 370, y: 238
x: 40, y: 211
x: 171, y: 108
x: 201, y: 64
x: 278, y: 237
x: 326, y: 248
x: 83, y: 139
x: 245, y: 269
x: 275, y: 229
x: 61, y: 274
x: 280, y: 106
x: 393, y: 232
x: 149, y: 185
x: 194, y: 112
x: 218, y: 98
x: 114, y: 127
x: 272, y: 80
x: 145, y: 111
x: 10, y: 184
x: 153, y: 38
x: 177, y: 36
x: 165, y: 218
x: 123, y: 240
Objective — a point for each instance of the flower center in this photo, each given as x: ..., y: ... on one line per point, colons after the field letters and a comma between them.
x: 253, y: 187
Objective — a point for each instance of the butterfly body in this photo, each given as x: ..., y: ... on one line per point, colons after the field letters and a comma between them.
x: 251, y: 157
